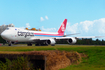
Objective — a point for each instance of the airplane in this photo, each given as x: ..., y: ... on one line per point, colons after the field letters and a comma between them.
x: 13, y: 35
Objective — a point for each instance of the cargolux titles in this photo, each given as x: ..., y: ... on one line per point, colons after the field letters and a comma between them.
x: 25, y: 34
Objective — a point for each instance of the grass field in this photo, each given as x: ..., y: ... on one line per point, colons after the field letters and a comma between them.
x: 94, y: 61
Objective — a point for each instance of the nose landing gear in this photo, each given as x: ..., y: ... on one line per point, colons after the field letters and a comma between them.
x: 9, y: 43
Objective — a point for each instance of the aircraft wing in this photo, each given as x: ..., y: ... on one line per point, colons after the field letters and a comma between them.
x: 90, y: 37
x: 79, y: 37
x: 52, y: 40
x: 58, y: 38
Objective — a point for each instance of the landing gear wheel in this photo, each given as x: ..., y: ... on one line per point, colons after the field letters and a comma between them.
x: 37, y: 44
x: 9, y: 44
x: 29, y: 44
x: 53, y: 45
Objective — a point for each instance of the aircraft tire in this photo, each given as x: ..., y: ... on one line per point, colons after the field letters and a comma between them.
x: 41, y: 44
x: 9, y: 44
x: 53, y: 45
x: 44, y: 44
x: 29, y: 44
x: 37, y: 44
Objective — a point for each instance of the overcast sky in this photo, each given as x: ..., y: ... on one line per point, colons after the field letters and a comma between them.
x: 86, y: 17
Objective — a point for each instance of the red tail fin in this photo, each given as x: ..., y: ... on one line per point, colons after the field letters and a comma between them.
x: 62, y: 27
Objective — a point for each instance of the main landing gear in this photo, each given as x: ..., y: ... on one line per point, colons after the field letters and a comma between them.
x: 29, y: 44
x: 41, y: 44
x: 9, y: 44
x: 37, y: 44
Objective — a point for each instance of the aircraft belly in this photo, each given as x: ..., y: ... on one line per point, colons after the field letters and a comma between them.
x: 27, y: 39
x: 42, y: 37
x: 23, y: 39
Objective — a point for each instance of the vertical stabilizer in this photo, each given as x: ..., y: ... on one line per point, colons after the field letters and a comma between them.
x: 62, y: 27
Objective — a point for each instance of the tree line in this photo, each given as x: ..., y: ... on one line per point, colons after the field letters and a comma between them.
x: 2, y: 40
x: 86, y: 41
x: 79, y: 41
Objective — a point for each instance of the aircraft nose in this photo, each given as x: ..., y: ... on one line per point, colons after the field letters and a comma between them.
x: 3, y: 35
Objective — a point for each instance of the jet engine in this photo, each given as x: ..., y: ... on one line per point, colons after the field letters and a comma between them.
x: 71, y: 40
x: 51, y: 41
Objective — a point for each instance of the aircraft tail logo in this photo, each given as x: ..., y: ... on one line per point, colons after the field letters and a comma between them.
x: 62, y: 27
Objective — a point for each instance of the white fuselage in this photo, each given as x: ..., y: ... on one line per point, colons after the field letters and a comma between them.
x: 13, y: 34
x: 22, y: 35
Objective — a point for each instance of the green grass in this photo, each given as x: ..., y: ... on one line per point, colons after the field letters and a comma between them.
x: 94, y: 61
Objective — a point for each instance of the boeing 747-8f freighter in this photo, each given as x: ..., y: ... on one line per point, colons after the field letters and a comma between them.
x: 13, y: 34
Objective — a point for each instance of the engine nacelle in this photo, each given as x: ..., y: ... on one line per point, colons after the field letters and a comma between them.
x: 71, y: 40
x: 51, y: 42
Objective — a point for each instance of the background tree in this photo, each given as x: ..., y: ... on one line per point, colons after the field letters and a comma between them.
x: 2, y: 40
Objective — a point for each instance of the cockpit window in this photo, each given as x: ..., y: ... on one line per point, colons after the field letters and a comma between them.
x: 7, y: 28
